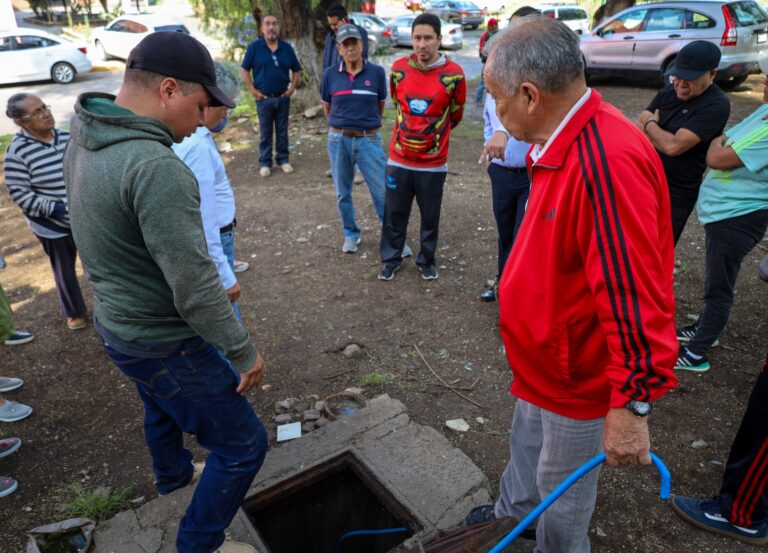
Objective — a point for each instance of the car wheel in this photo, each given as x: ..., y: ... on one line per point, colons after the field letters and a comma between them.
x: 101, y: 51
x: 664, y: 81
x: 63, y: 73
x: 372, y: 45
x: 730, y: 84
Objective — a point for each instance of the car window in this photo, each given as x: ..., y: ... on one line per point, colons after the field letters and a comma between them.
x: 28, y: 42
x: 630, y: 22
x: 179, y: 28
x: 747, y: 13
x: 377, y: 20
x: 5, y: 43
x: 134, y: 26
x: 403, y: 22
x: 665, y: 19
x: 696, y: 20
x: 571, y: 14
x: 549, y: 13
x: 118, y: 26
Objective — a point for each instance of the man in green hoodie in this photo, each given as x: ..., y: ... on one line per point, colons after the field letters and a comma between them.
x: 159, y: 305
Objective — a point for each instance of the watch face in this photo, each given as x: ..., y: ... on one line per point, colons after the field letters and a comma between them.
x: 640, y: 408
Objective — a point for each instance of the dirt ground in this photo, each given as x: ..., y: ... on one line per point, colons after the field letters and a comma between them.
x: 304, y: 301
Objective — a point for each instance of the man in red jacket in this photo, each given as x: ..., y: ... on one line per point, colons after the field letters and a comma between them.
x: 586, y: 299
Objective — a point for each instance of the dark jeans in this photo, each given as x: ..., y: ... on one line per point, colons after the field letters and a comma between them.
x: 62, y: 253
x: 681, y: 208
x: 728, y: 242
x: 273, y: 116
x: 743, y: 498
x: 402, y: 185
x: 510, y: 194
x: 193, y: 391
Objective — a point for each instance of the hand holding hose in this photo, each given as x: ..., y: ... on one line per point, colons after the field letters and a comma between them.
x: 627, y: 440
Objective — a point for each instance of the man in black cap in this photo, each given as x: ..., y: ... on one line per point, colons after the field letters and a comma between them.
x: 159, y: 306
x: 682, y: 120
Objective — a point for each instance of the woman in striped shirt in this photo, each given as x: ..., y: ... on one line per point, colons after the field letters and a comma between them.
x: 34, y: 177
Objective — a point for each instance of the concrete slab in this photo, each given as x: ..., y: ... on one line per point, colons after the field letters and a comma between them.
x: 436, y: 482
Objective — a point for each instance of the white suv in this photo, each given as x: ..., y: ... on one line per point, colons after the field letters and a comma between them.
x: 573, y: 15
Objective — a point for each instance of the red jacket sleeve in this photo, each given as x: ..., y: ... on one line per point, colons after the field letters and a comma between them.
x: 625, y: 240
x: 457, y: 102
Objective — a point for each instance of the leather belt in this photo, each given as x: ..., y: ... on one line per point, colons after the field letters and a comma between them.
x: 273, y: 94
x: 229, y: 227
x: 355, y: 133
x: 516, y: 170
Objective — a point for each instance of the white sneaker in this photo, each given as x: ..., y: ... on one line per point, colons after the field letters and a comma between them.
x: 8, y: 384
x: 241, y: 266
x: 12, y: 411
x: 350, y: 244
x: 287, y: 168
x: 265, y: 171
x: 407, y: 251
x: 230, y: 546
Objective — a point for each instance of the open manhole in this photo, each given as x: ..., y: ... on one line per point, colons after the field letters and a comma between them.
x: 312, y: 511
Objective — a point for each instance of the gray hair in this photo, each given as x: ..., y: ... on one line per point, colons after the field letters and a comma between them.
x: 227, y: 81
x: 535, y: 49
x: 15, y: 108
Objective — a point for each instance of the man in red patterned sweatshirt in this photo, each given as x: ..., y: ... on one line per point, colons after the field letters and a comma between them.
x: 586, y: 299
x: 428, y: 91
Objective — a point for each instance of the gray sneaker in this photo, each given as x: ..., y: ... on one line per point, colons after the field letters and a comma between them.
x: 12, y: 411
x: 8, y: 446
x: 350, y: 244
x: 8, y: 384
x: 7, y: 486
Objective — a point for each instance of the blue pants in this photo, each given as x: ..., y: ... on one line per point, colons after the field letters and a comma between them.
x: 193, y: 391
x: 228, y: 245
x: 365, y: 151
x: 510, y: 194
x: 273, y: 116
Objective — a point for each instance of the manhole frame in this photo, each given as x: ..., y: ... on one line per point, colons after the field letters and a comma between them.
x: 348, y: 457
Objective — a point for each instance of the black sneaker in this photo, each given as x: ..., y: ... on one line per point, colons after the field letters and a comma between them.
x: 388, y: 272
x: 686, y: 333
x: 485, y: 513
x: 686, y: 362
x: 428, y: 272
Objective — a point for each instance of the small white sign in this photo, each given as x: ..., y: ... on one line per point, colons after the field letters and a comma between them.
x: 289, y: 431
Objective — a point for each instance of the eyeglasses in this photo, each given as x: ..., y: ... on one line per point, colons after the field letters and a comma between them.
x: 274, y: 59
x: 38, y: 113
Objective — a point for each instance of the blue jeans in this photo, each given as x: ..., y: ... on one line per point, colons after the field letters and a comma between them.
x: 193, y: 391
x: 228, y: 245
x: 273, y: 115
x: 345, y: 152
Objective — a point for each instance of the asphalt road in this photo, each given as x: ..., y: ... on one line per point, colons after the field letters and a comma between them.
x: 61, y: 98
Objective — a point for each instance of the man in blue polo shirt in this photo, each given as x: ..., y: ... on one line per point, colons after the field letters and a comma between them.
x: 271, y: 71
x: 353, y: 94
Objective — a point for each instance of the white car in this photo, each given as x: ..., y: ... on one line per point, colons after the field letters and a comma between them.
x: 120, y: 36
x: 453, y: 36
x: 30, y: 55
x: 574, y: 16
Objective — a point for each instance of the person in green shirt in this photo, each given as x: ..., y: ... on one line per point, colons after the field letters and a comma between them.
x: 733, y: 207
x: 159, y: 305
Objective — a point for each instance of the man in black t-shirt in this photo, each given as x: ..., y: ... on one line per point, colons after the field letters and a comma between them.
x: 681, y: 121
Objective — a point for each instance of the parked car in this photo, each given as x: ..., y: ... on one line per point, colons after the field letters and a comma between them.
x: 573, y: 15
x: 379, y: 34
x: 645, y: 39
x: 453, y: 37
x: 120, y: 36
x: 467, y: 14
x: 29, y: 55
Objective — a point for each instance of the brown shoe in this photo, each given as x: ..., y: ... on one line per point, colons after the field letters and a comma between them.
x: 75, y: 323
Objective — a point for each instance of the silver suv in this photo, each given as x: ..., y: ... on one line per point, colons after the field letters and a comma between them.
x: 645, y: 39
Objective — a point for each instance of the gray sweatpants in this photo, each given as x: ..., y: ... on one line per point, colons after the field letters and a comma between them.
x: 544, y: 449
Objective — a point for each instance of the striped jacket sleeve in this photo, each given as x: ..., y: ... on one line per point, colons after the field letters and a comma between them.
x: 626, y: 246
x: 17, y: 180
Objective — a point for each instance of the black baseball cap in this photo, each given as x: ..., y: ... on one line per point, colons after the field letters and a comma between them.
x: 694, y: 60
x: 180, y: 56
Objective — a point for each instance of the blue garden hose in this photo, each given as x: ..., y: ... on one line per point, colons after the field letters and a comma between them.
x: 368, y: 533
x: 665, y: 493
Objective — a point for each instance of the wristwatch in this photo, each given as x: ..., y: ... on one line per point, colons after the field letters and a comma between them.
x: 639, y: 408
